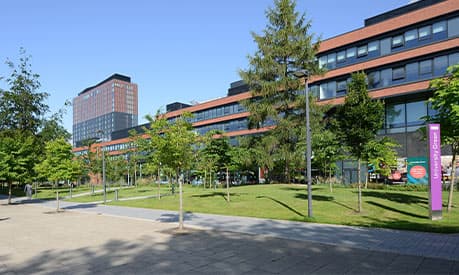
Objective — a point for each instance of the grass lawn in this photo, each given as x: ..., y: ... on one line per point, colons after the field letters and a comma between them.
x: 398, y: 209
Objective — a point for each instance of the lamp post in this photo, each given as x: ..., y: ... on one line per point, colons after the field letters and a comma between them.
x: 305, y: 74
x: 103, y: 166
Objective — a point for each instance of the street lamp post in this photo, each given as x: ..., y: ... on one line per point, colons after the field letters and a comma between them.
x: 305, y: 74
x: 103, y: 167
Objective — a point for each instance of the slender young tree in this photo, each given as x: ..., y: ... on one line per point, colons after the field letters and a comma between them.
x: 359, y: 120
x: 285, y: 47
x: 446, y: 102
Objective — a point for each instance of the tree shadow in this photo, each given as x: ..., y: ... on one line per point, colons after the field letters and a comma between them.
x: 215, y: 194
x: 397, y: 197
x: 299, y: 188
x: 314, y: 197
x: 396, y: 210
x: 283, y: 204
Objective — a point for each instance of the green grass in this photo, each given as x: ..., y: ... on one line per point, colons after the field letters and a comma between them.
x: 395, y: 207
x: 398, y: 209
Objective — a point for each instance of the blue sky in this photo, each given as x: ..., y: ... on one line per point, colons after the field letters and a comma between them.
x: 177, y: 50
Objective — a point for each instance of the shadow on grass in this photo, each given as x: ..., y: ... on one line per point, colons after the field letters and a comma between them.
x: 283, y: 204
x: 410, y: 225
x: 396, y: 210
x: 314, y: 197
x: 215, y: 194
x: 299, y: 188
x: 397, y: 197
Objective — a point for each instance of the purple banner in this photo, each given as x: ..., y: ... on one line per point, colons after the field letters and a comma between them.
x: 435, y: 175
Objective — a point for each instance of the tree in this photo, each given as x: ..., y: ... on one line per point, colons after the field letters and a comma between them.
x: 445, y: 101
x: 359, y: 120
x: 284, y: 48
x: 58, y: 163
x: 22, y: 108
x: 381, y: 154
x: 171, y: 144
x: 327, y: 151
x: 16, y: 159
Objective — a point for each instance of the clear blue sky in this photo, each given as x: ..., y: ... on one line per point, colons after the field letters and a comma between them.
x: 177, y: 50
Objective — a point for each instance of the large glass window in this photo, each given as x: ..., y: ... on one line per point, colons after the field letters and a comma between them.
x: 453, y: 27
x: 341, y: 87
x: 395, y: 115
x: 415, y: 111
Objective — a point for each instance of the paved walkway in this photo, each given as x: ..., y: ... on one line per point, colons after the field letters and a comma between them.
x: 442, y: 246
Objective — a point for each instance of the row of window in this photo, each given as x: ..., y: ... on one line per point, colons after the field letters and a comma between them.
x: 230, y: 109
x: 229, y: 126
x: 413, y: 71
x: 412, y: 38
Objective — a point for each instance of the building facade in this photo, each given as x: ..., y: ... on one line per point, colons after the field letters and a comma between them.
x: 400, y: 51
x: 109, y: 106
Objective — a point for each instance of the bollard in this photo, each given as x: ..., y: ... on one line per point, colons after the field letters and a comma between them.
x: 57, y: 199
x: 116, y: 194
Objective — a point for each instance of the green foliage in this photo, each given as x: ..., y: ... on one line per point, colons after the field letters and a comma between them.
x: 285, y: 47
x: 381, y: 153
x: 22, y: 106
x: 17, y: 157
x: 58, y: 163
x: 360, y: 118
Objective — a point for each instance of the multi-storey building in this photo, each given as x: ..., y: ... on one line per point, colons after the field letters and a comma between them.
x: 109, y: 106
x: 400, y: 51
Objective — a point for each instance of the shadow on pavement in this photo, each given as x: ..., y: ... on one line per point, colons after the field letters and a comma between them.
x: 205, y: 252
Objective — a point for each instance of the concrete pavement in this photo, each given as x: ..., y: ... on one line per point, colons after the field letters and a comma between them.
x: 90, y: 238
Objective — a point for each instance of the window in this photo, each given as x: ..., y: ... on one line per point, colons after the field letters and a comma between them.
x: 397, y: 41
x: 424, y: 33
x: 385, y: 46
x: 350, y: 52
x: 439, y: 27
x: 395, y: 115
x: 453, y: 27
x: 412, y: 71
x: 411, y: 35
x: 341, y: 57
x: 374, y: 80
x: 331, y: 60
x: 414, y: 113
x: 453, y: 59
x: 373, y: 46
x: 398, y: 73
x: 341, y: 86
x: 362, y: 51
x: 322, y: 61
x: 440, y: 64
x: 425, y: 67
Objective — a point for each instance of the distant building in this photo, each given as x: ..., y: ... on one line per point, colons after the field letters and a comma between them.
x: 109, y: 106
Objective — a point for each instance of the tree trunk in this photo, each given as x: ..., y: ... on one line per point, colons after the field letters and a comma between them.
x: 10, y: 186
x: 180, y: 201
x: 205, y: 178
x: 451, y: 184
x: 366, y: 181
x: 359, y: 186
x: 330, y: 181
x: 159, y: 184
x: 227, y: 185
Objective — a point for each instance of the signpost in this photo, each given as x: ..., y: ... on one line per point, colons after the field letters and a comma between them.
x: 435, y: 175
